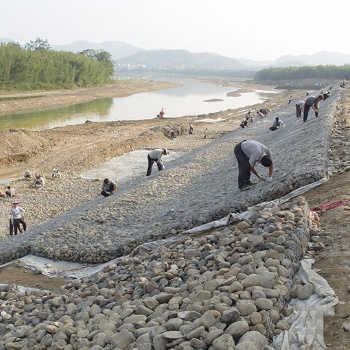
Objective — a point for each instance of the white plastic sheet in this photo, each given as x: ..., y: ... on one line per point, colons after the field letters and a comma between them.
x: 306, y: 331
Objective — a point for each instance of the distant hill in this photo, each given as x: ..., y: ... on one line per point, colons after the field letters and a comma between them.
x: 117, y: 49
x: 181, y: 59
x: 5, y: 40
x: 254, y: 64
x: 128, y: 55
x: 316, y: 59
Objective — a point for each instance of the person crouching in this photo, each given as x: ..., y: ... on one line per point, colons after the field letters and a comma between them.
x: 108, y: 187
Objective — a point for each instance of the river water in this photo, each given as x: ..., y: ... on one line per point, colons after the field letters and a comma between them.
x: 191, y: 98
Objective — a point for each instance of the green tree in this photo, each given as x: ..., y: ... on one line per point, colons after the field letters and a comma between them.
x: 38, y: 44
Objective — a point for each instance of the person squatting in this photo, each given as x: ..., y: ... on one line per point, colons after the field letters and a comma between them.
x: 108, y: 187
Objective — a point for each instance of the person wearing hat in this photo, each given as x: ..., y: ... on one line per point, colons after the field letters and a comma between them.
x: 248, y: 153
x: 16, y: 219
x: 311, y: 102
x: 108, y: 187
x: 156, y: 156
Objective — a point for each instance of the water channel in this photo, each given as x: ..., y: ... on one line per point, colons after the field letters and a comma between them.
x: 190, y: 98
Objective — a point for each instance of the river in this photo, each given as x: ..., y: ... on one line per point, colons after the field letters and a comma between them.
x: 190, y: 98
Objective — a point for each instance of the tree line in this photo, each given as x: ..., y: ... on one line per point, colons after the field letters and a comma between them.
x: 307, y: 72
x: 36, y: 66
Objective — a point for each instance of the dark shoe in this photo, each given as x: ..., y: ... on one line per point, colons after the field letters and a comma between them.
x: 245, y: 187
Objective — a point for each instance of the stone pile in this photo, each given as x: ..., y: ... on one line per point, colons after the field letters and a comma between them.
x: 223, y: 289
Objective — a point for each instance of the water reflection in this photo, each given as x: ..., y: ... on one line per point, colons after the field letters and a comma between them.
x: 192, y: 98
x: 95, y: 110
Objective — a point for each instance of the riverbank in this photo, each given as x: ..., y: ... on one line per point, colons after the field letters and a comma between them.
x: 203, y: 290
x: 75, y: 149
x: 44, y: 100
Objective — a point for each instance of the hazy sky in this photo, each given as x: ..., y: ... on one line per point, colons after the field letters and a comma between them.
x: 254, y: 29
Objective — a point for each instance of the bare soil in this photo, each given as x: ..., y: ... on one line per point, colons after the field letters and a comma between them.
x: 333, y: 263
x: 93, y: 143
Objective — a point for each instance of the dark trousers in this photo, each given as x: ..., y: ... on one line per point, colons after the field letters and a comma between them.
x: 11, y: 227
x: 106, y: 193
x: 243, y: 166
x: 16, y: 226
x: 306, y: 112
x: 150, y: 165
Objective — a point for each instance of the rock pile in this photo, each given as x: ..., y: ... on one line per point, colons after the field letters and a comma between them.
x: 224, y: 289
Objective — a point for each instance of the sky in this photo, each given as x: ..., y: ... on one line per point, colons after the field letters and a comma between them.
x: 252, y: 29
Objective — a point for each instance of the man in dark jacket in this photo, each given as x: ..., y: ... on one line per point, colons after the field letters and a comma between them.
x: 311, y: 102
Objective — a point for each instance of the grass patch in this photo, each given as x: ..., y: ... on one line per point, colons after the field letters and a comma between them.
x: 19, y: 97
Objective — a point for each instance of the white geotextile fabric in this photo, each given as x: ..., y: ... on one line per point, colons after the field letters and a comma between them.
x: 63, y: 269
x: 306, y: 331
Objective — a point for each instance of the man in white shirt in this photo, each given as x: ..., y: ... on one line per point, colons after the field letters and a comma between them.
x: 299, y: 106
x: 248, y: 153
x: 16, y: 219
x: 156, y: 156
x: 108, y: 187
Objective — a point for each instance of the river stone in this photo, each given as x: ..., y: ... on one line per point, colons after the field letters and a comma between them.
x: 173, y: 324
x: 224, y: 342
x: 230, y: 315
x: 160, y: 342
x: 256, y: 293
x: 245, y: 307
x: 346, y: 326
x: 201, y: 295
x: 144, y: 342
x: 263, y: 303
x: 237, y: 329
x: 256, y: 338
x: 305, y: 291
x: 122, y: 339
x: 255, y: 318
x: 196, y: 333
x: 213, y: 334
x: 235, y: 287
x: 246, y: 345
x: 172, y: 335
